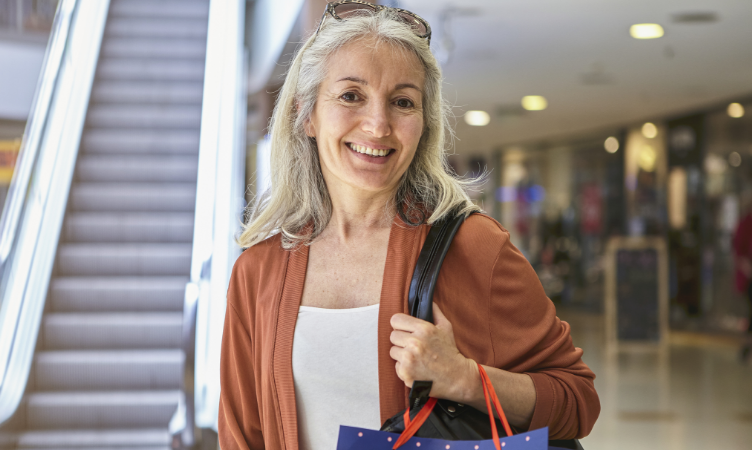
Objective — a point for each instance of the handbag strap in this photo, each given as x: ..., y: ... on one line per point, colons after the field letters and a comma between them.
x: 435, y: 248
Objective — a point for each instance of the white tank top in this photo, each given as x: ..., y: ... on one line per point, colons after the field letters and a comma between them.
x: 335, y: 369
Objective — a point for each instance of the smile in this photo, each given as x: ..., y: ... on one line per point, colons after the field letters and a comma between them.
x: 377, y: 153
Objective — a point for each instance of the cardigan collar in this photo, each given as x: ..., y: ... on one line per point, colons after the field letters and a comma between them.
x: 402, y: 252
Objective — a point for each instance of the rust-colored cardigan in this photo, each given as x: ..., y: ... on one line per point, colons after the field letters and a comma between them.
x: 489, y: 292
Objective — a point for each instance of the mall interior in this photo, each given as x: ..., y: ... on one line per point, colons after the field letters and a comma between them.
x: 612, y: 139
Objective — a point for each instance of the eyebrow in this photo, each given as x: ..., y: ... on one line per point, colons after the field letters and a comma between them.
x: 355, y: 79
x: 397, y: 88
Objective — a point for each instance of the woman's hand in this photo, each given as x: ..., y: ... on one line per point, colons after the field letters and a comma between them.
x: 425, y: 351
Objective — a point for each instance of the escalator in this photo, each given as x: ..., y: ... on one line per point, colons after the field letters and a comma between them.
x: 108, y: 364
x: 95, y: 357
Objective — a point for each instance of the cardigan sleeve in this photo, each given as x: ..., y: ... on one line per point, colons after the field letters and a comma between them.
x: 527, y: 337
x: 239, y: 418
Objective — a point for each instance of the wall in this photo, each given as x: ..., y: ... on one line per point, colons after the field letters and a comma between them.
x: 21, y: 63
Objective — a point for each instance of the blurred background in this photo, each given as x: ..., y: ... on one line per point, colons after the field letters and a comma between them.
x: 616, y: 138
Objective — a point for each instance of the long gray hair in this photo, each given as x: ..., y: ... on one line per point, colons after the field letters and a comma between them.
x: 298, y: 204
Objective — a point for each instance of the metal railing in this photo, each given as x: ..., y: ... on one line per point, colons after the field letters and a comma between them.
x: 33, y: 134
x: 32, y: 219
x: 219, y: 205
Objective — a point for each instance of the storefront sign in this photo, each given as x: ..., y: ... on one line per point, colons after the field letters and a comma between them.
x: 8, y: 156
x: 636, y: 292
x: 591, y: 209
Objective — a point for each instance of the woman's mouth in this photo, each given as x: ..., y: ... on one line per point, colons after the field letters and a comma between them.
x: 373, y: 152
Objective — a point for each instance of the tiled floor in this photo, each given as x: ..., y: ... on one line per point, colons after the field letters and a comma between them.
x: 696, y: 395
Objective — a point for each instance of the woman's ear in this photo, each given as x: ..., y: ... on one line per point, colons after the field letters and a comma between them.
x: 308, y: 127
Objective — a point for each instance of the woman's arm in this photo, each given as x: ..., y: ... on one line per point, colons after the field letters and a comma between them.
x: 506, y: 322
x: 428, y: 352
x: 239, y: 418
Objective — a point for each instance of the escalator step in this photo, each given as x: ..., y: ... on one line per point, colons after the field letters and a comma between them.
x: 140, y: 140
x: 163, y: 197
x: 149, y: 69
x: 108, y: 370
x: 129, y: 227
x: 137, y: 168
x: 162, y: 8
x: 127, y: 92
x: 117, y: 439
x: 174, y: 28
x: 117, y: 294
x: 76, y: 331
x: 144, y: 116
x: 124, y: 259
x: 127, y: 409
x: 129, y: 47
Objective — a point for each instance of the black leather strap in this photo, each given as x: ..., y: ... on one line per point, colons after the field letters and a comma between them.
x: 435, y: 248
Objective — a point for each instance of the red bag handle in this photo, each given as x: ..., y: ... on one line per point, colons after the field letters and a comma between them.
x: 412, y: 426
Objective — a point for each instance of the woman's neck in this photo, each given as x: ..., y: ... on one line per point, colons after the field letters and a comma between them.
x: 355, y: 215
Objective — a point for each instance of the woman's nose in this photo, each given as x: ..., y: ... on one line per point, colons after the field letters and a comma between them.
x: 376, y: 119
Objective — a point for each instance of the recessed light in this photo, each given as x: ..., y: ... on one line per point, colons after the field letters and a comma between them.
x: 646, y: 31
x: 611, y: 145
x: 477, y: 118
x: 735, y: 110
x: 534, y: 103
x: 649, y: 130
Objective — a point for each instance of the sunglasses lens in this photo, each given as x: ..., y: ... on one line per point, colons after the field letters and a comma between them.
x: 347, y: 10
x: 413, y: 22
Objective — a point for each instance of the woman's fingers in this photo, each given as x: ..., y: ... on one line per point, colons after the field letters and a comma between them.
x: 400, y: 338
x: 404, y: 322
x: 424, y: 351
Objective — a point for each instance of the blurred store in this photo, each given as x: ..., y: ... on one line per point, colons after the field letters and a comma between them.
x: 134, y: 131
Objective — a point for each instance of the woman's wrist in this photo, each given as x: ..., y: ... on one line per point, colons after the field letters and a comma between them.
x: 469, y: 387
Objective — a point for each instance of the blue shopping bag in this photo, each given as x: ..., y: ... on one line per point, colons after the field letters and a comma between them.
x: 351, y: 438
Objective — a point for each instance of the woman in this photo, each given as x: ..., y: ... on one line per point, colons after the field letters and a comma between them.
x: 315, y: 333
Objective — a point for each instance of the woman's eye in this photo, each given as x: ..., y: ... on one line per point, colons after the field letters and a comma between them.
x: 349, y: 97
x: 404, y: 103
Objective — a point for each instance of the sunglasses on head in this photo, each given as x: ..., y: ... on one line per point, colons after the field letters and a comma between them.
x: 344, y: 9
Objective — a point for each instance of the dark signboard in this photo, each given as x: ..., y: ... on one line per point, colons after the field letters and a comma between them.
x: 637, y: 295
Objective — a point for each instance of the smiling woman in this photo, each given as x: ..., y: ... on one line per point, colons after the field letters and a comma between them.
x: 316, y: 333
x: 299, y: 204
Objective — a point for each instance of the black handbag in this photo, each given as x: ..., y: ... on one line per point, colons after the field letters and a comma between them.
x: 447, y: 420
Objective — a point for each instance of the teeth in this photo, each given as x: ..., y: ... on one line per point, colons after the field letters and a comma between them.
x: 368, y: 151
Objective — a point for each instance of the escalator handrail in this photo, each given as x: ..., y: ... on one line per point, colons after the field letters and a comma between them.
x: 32, y: 137
x: 28, y: 268
x: 219, y: 183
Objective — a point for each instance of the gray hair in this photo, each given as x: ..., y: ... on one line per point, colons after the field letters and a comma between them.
x: 298, y: 204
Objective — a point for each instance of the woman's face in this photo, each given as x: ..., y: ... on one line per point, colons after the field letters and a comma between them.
x: 368, y: 117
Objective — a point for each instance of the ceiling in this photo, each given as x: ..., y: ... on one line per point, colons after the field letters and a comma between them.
x: 579, y: 55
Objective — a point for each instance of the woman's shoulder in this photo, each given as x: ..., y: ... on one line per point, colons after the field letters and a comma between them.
x: 267, y: 253
x: 481, y: 238
x: 480, y: 226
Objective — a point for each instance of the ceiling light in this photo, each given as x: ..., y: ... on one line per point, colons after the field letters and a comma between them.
x: 534, y: 103
x: 646, y: 31
x: 735, y: 110
x: 611, y: 145
x: 477, y: 118
x: 735, y: 159
x: 649, y: 130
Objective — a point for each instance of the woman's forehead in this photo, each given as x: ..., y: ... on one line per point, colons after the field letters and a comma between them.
x: 372, y: 63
